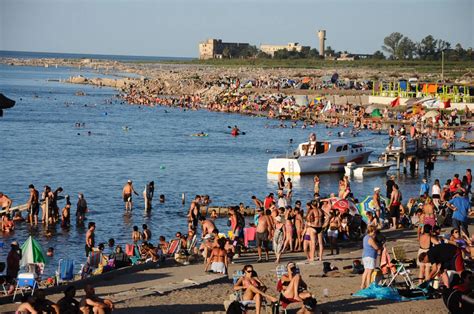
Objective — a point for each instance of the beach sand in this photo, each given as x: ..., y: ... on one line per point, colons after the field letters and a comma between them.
x: 194, y: 291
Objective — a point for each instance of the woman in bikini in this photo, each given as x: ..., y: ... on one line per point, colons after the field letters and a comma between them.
x: 426, y: 241
x: 218, y: 260
x: 253, y: 289
x: 294, y: 288
x: 288, y: 230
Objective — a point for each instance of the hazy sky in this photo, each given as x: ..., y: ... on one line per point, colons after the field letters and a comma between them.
x: 175, y: 27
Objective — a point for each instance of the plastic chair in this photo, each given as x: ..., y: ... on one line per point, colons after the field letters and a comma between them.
x: 25, y: 282
x: 65, y: 270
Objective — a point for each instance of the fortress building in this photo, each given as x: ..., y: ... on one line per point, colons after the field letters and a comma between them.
x: 214, y: 49
x: 271, y: 49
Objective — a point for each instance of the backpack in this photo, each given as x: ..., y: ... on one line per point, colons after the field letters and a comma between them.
x: 235, y: 308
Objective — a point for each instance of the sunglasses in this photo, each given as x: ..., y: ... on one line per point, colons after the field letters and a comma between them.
x: 249, y: 270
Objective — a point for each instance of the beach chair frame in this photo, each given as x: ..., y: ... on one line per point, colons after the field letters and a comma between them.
x: 60, y: 280
x: 25, y: 282
x: 399, y: 255
x: 238, y: 294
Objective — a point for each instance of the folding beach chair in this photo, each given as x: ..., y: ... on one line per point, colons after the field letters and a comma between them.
x: 174, y: 247
x: 25, y: 282
x: 399, y: 256
x: 192, y: 245
x: 245, y: 305
x: 65, y: 271
x: 92, y: 263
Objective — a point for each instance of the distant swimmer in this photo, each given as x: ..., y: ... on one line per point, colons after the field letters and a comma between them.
x: 127, y: 195
x: 235, y: 131
x: 126, y: 128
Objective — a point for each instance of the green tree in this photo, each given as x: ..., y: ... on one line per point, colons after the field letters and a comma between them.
x: 392, y: 43
x: 263, y: 55
x: 406, y: 49
x: 378, y: 55
x: 426, y: 49
x: 281, y: 54
x: 330, y: 51
x: 226, y: 52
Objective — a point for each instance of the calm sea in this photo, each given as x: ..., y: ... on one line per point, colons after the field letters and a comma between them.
x: 34, y: 55
x: 41, y: 145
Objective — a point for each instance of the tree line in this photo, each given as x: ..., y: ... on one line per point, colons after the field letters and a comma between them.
x: 401, y: 47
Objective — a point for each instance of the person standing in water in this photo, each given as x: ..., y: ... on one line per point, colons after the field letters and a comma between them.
x: 127, y: 195
x: 33, y: 204
x: 148, y: 194
x: 90, y: 238
x: 281, y: 179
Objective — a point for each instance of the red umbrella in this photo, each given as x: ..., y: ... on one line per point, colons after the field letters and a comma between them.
x: 344, y: 206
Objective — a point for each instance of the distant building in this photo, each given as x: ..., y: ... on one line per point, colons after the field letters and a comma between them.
x: 271, y: 49
x: 322, y: 40
x: 214, y: 49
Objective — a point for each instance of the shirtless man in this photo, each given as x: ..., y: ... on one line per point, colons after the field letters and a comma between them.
x: 5, y: 202
x: 33, y: 204
x: 91, y: 303
x: 127, y: 195
x: 258, y: 203
x: 281, y: 179
x: 395, y: 206
x: 193, y: 213
x: 208, y: 226
x: 90, y: 238
x: 263, y: 234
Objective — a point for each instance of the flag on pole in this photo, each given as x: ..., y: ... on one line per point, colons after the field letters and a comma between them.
x: 395, y: 102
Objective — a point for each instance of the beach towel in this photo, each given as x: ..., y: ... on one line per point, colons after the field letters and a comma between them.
x: 249, y: 235
x: 130, y: 249
x: 375, y: 291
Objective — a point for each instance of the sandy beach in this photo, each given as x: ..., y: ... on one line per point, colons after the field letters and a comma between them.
x: 187, y: 289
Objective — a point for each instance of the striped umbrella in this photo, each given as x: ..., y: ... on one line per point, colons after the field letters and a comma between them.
x: 368, y: 205
x: 31, y: 252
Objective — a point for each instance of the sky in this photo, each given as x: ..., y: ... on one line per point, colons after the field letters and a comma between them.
x: 175, y: 27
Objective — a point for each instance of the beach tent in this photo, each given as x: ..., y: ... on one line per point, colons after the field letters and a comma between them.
x: 301, y: 100
x: 368, y: 205
x: 5, y: 102
x: 32, y: 252
x: 376, y: 113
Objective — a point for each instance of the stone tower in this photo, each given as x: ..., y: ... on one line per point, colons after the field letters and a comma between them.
x: 322, y: 39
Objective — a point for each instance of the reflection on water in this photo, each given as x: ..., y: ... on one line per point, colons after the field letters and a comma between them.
x: 40, y: 145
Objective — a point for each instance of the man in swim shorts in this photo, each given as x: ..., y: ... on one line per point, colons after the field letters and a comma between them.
x: 127, y: 195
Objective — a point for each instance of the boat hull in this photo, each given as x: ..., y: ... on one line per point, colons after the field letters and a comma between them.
x: 367, y: 169
x: 316, y: 164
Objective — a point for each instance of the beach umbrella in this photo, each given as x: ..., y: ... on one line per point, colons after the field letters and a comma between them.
x: 5, y: 102
x: 376, y: 113
x: 431, y: 114
x: 367, y: 204
x: 31, y: 252
x: 344, y: 206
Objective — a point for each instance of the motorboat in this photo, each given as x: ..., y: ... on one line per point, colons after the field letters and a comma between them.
x: 362, y: 170
x: 327, y: 156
